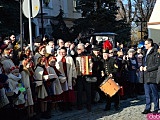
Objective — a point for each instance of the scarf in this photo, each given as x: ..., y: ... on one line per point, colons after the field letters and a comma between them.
x: 63, y: 60
x: 57, y: 71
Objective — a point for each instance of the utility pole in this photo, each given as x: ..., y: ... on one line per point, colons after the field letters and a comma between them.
x: 21, y: 26
x: 41, y: 2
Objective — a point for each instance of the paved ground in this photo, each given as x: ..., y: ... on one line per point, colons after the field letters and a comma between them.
x: 130, y: 110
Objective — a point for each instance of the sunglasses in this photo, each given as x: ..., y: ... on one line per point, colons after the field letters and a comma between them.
x: 78, y: 49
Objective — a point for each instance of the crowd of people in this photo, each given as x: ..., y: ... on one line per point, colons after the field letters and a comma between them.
x: 52, y: 74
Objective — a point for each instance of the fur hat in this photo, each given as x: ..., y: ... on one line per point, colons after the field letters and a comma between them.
x: 14, y: 69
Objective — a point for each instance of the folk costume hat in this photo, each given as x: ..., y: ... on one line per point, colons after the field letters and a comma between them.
x: 107, y: 45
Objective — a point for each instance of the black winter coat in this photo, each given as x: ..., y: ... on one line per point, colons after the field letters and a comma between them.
x: 152, y: 63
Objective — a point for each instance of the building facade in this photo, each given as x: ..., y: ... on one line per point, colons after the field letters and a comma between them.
x: 50, y: 9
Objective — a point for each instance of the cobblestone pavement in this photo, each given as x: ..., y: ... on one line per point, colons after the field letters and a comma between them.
x: 130, y: 110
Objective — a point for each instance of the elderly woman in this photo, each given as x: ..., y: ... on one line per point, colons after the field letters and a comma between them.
x: 132, y: 66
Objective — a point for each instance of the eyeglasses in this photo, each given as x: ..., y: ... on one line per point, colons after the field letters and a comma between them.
x: 78, y: 49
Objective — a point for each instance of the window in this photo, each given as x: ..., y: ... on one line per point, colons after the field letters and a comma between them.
x: 75, y: 4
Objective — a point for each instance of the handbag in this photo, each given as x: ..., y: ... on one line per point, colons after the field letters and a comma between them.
x: 91, y: 79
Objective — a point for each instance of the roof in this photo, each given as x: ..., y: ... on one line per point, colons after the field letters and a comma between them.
x: 154, y: 19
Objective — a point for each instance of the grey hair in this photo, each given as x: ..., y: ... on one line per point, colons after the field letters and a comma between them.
x: 81, y: 45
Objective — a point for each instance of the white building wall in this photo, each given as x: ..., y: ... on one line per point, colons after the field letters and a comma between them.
x: 53, y: 9
x: 154, y: 23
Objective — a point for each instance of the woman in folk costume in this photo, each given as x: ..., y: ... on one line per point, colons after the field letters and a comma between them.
x: 14, y: 80
x: 6, y: 60
x: 26, y: 81
x: 56, y: 85
x: 41, y: 52
x: 40, y: 76
x: 65, y: 65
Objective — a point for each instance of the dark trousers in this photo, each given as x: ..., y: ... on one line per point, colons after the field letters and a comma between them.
x: 151, y: 92
x: 115, y: 98
x: 82, y: 84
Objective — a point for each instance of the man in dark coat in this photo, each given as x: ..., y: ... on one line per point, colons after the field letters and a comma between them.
x: 81, y: 82
x: 109, y: 69
x: 148, y: 77
x: 96, y: 72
